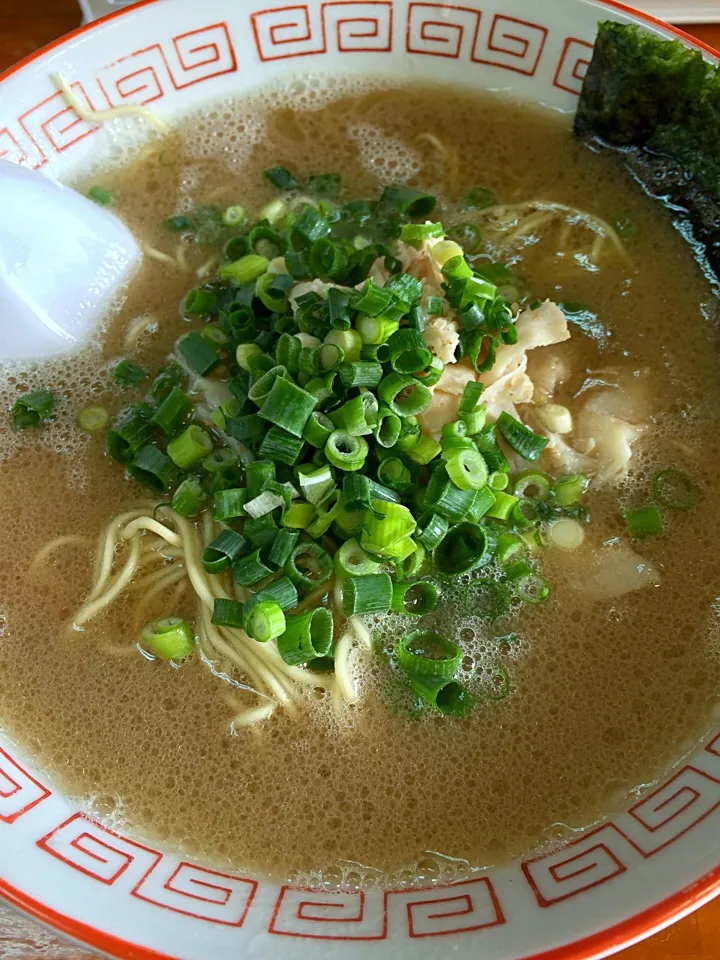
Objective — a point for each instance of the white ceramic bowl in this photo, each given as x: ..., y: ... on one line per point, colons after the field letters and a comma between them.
x: 625, y: 879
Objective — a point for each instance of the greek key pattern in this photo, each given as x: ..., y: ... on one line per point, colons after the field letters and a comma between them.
x: 140, y: 78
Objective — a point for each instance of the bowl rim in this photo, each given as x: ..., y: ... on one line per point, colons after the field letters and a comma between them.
x: 605, y: 942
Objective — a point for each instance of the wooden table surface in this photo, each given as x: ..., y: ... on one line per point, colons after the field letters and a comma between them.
x: 26, y: 25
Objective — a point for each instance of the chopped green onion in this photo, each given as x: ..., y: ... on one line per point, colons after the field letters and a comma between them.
x: 532, y: 589
x: 131, y: 431
x: 229, y: 504
x: 532, y: 485
x: 101, y: 195
x: 190, y: 447
x: 169, y: 639
x: 92, y: 419
x: 352, y: 561
x: 234, y: 216
x: 450, y: 698
x: 346, y: 451
x: 366, y: 594
x: 487, y: 444
x: 416, y: 234
x: 153, y: 469
x: 404, y: 395
x: 425, y: 450
x: 250, y: 569
x: 428, y: 654
x: 174, y: 409
x: 472, y: 397
x: 408, y: 351
x: 280, y: 445
x: 197, y: 353
x: 405, y: 200
x: 467, y: 469
x: 224, y: 550
x: 498, y: 481
x: 298, y: 515
x: 189, y: 498
x: 325, y: 184
x: 442, y: 496
x: 219, y: 460
x: 432, y: 528
x: 478, y: 198
x: 228, y: 613
x: 387, y: 428
x: 675, y: 489
x: 349, y: 341
x: 266, y: 621
x: 200, y: 301
x: 464, y: 547
x: 644, y: 522
x: 521, y: 438
x: 386, y: 524
x: 281, y: 178
x: 288, y: 406
x: 308, y: 566
x: 483, y: 501
x: 128, y: 374
x: 282, y: 591
x: 309, y: 226
x: 417, y: 599
x: 566, y: 491
x: 360, y: 373
x: 467, y: 235
x: 307, y: 636
x: 244, y: 270
x: 318, y: 429
x: 503, y: 506
x: 32, y: 408
x: 509, y: 546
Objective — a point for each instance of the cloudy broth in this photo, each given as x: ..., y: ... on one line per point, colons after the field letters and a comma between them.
x: 605, y: 694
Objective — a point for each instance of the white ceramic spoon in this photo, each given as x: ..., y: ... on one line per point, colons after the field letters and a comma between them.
x: 62, y: 259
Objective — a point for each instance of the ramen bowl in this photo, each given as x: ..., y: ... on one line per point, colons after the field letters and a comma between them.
x: 618, y: 881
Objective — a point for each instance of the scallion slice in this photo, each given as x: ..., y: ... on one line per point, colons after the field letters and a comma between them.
x: 281, y: 446
x: 92, y: 419
x: 266, y: 621
x: 197, y: 353
x: 229, y: 504
x: 151, y: 467
x: 521, y: 438
x: 345, y: 451
x: 250, y: 569
x: 281, y: 178
x: 405, y: 396
x: 366, y: 594
x: 173, y: 411
x: 428, y: 654
x: 307, y: 636
x: 169, y: 639
x: 33, y: 408
x: 308, y: 566
x: 288, y: 406
x: 644, y: 522
x: 192, y: 446
x: 417, y: 599
x: 467, y: 469
x: 675, y: 489
x: 228, y: 613
x: 189, y: 498
x: 465, y: 547
x: 224, y: 549
x: 352, y: 561
x: 449, y: 698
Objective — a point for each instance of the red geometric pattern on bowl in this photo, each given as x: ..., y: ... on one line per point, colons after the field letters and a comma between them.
x: 464, y: 907
x: 143, y: 875
x: 138, y: 78
x: 658, y: 820
x: 440, y: 30
x: 148, y: 875
x: 19, y: 791
x: 573, y: 64
x: 353, y: 26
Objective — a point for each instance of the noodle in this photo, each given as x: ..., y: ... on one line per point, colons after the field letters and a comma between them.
x: 99, y: 116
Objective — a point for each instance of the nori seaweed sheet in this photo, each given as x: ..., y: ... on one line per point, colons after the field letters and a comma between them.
x: 658, y: 103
